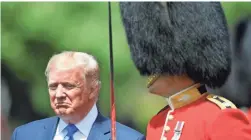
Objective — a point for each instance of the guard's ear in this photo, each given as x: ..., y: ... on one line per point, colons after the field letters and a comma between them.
x: 94, y: 90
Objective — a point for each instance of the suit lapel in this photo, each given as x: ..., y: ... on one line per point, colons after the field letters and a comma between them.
x: 100, y: 129
x: 49, y: 129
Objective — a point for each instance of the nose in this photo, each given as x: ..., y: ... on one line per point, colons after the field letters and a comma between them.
x: 60, y: 93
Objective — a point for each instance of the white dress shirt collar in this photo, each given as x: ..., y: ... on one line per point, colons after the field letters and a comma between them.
x: 84, y: 126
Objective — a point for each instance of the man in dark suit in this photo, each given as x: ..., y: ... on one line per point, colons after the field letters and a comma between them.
x: 73, y: 82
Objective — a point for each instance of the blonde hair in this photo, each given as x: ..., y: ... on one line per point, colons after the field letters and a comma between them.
x: 71, y: 59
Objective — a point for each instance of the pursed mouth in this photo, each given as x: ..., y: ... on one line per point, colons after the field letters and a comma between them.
x: 59, y: 105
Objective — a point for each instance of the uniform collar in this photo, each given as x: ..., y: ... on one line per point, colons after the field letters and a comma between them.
x: 186, y: 96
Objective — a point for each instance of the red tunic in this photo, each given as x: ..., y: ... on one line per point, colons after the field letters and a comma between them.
x: 249, y: 114
x: 203, y: 120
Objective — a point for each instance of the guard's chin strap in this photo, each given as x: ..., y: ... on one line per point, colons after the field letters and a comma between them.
x: 112, y: 97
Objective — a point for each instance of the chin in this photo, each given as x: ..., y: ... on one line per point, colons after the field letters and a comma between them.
x: 152, y: 90
x: 155, y: 93
x: 166, y: 94
x: 63, y: 111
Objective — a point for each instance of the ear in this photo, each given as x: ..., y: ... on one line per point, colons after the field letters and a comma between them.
x: 94, y: 90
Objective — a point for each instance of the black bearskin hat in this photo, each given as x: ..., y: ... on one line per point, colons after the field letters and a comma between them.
x: 177, y: 38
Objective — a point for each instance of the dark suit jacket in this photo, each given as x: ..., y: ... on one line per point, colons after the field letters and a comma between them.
x: 45, y: 130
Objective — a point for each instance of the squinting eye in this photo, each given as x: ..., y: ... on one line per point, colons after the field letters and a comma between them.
x: 52, y: 87
x: 69, y: 86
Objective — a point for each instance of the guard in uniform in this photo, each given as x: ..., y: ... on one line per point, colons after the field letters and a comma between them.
x: 184, y: 47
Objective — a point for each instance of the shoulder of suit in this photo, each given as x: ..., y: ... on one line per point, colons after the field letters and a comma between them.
x: 221, y: 102
x: 37, y: 123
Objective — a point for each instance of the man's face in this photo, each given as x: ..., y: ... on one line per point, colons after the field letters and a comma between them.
x: 162, y: 86
x: 69, y: 94
x: 168, y: 85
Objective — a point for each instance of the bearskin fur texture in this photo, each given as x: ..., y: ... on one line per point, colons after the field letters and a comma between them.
x: 177, y: 38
